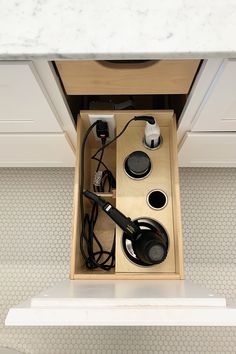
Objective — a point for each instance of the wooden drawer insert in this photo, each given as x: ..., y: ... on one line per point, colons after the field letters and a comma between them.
x: 130, y: 196
x: 87, y: 77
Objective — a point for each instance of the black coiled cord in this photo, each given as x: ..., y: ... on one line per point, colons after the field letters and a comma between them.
x: 88, y: 240
x: 100, y: 258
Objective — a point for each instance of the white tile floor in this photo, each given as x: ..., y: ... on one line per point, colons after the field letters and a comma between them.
x: 35, y: 232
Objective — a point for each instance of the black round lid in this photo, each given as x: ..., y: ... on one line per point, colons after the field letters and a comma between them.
x: 138, y: 163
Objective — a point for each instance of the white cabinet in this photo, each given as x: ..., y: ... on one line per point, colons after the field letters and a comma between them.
x: 124, y: 303
x: 35, y: 150
x: 24, y: 106
x: 218, y: 109
x: 32, y: 125
x: 208, y: 150
x: 207, y: 128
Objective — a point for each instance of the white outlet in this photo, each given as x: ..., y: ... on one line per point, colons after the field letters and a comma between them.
x: 109, y: 118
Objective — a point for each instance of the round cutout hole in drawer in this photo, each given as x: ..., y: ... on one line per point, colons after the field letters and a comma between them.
x: 157, y: 199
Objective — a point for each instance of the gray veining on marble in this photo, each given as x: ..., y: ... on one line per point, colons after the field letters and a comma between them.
x: 123, y: 29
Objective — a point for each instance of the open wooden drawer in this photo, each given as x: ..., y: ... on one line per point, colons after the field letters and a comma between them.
x: 89, y: 77
x: 130, y: 196
x: 131, y: 297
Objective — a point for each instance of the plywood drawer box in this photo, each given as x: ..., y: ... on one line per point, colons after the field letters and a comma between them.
x: 131, y: 195
x: 87, y: 77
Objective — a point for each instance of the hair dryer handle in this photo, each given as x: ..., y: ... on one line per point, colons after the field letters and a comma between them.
x: 126, y: 224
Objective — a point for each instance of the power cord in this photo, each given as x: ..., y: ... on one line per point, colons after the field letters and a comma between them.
x: 103, y: 177
x: 116, y: 137
x: 88, y: 240
x: 91, y: 248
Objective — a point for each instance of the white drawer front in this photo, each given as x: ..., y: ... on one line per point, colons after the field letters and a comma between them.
x: 35, y: 150
x: 25, y: 106
x: 218, y: 109
x: 123, y: 303
x: 208, y: 150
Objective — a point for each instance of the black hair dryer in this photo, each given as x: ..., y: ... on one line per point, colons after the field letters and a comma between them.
x: 150, y: 245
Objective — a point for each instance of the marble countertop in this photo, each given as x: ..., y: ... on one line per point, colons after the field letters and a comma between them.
x: 121, y: 29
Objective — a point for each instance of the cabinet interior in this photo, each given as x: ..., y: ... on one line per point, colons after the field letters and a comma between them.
x: 175, y: 102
